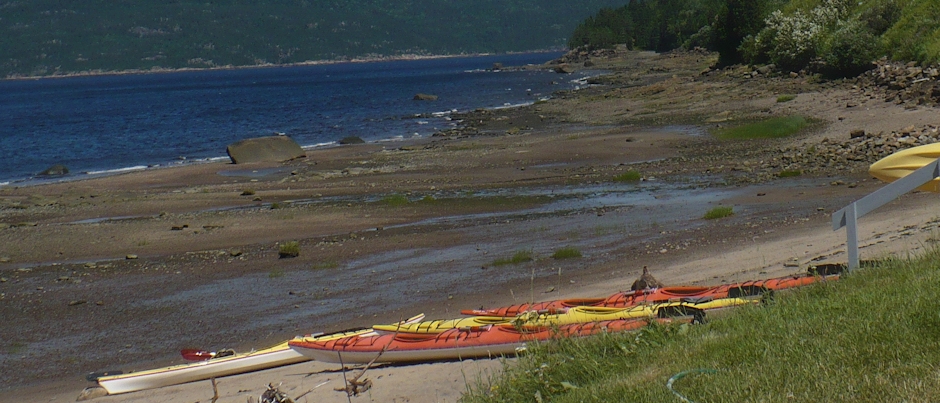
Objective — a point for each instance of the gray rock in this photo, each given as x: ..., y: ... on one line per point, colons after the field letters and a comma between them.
x: 351, y: 140
x: 264, y: 149
x: 425, y: 97
x: 564, y: 69
x: 55, y: 170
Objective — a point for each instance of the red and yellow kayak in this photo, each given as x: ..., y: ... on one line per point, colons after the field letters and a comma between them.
x: 452, y: 344
x: 658, y: 295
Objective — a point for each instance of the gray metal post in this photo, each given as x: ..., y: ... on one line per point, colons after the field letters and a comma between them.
x: 851, y: 235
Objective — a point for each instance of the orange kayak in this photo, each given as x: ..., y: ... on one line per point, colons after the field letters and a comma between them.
x: 626, y: 299
x: 453, y: 344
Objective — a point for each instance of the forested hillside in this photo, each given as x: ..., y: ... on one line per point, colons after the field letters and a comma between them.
x: 831, y: 37
x: 44, y: 37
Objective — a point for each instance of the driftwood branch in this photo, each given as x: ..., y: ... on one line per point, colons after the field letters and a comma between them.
x: 215, y: 391
x: 354, y: 386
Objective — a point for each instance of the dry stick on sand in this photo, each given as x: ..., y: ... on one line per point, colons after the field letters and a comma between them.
x: 215, y: 391
x: 353, y: 386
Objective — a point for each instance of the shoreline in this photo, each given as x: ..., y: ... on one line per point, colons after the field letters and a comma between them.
x: 95, y: 73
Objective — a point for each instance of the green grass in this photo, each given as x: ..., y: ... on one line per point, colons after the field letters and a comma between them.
x: 330, y: 264
x: 276, y: 273
x: 289, y: 249
x: 789, y: 173
x: 629, y: 176
x: 719, y: 212
x: 769, y: 128
x: 396, y: 200
x: 566, y: 253
x: 872, y: 336
x: 786, y: 98
x: 521, y: 256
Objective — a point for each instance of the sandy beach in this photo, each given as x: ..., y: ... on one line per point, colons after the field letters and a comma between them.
x: 122, y: 272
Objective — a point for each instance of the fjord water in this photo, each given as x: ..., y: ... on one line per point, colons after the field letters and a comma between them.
x: 95, y: 124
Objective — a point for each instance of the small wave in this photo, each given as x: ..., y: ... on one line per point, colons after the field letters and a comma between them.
x: 390, y: 139
x: 116, y: 171
x: 508, y: 105
x: 443, y: 113
x: 319, y: 145
x: 4, y: 183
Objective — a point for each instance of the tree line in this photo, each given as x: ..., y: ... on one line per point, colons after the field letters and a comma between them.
x: 837, y: 38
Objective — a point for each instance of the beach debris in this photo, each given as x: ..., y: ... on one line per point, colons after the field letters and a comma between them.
x: 91, y: 392
x: 645, y: 281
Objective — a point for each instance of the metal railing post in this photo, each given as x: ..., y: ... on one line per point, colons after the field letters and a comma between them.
x: 851, y: 235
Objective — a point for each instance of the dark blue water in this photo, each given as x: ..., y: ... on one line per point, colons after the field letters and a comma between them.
x: 107, y: 123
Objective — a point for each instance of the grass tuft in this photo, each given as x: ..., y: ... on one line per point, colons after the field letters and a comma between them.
x: 875, y: 335
x: 786, y: 98
x: 521, y: 256
x: 770, y: 128
x: 629, y: 176
x: 719, y: 212
x: 330, y: 264
x: 396, y: 200
x: 289, y: 249
x: 789, y: 173
x: 566, y: 253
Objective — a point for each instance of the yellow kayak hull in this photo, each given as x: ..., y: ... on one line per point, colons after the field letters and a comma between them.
x: 902, y: 163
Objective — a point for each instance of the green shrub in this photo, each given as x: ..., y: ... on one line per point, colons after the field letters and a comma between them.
x: 786, y: 98
x: 770, y: 128
x: 629, y: 176
x: 289, y: 249
x: 566, y: 253
x: 789, y: 173
x: 719, y: 212
x: 916, y: 34
x: 881, y: 16
x: 849, y: 50
x: 520, y: 257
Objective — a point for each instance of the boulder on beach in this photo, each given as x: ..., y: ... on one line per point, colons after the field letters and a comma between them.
x: 264, y: 149
x: 55, y: 170
x: 425, y: 97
